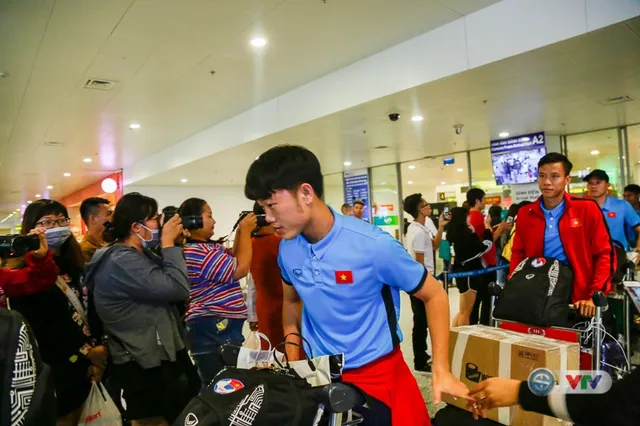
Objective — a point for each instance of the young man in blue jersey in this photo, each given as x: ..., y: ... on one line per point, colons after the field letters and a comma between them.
x: 342, y: 278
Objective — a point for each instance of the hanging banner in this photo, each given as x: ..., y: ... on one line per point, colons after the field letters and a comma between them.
x: 356, y: 187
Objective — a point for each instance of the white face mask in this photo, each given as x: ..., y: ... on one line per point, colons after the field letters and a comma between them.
x: 56, y: 237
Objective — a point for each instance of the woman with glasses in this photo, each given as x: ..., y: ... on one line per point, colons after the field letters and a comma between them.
x: 58, y: 315
x: 133, y: 292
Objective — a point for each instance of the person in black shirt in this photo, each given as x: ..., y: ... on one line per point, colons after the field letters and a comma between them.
x: 468, y: 250
x: 616, y: 407
x: 58, y: 316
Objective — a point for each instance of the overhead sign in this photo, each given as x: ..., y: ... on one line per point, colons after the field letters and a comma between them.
x: 449, y: 161
x: 525, y: 192
x: 518, y: 143
x: 493, y: 200
x: 356, y: 187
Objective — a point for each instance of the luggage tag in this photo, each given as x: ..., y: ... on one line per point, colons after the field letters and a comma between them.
x: 222, y: 325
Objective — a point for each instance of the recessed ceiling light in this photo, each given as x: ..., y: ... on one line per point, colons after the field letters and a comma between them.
x: 347, y: 163
x: 67, y: 174
x: 503, y: 134
x: 258, y: 42
x: 257, y: 157
x: 17, y: 210
x: 134, y: 126
x: 38, y: 195
x: 410, y: 182
x: 460, y: 170
x: 417, y: 118
x: 29, y: 201
x: 383, y: 183
x: 412, y: 167
x: 183, y: 180
x: 443, y: 183
x: 87, y: 160
x: 595, y: 152
x: 49, y: 187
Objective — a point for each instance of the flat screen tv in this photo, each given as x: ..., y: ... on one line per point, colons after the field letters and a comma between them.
x: 517, y: 167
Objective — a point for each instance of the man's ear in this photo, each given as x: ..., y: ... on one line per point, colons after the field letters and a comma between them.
x: 306, y: 193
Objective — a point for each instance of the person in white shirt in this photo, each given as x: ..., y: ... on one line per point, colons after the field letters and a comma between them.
x: 422, y: 239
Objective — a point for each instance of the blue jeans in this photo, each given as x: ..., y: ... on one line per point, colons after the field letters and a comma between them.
x: 206, y: 338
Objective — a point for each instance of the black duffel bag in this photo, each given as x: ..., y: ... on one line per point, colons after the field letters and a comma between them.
x: 253, y: 397
x: 537, y: 293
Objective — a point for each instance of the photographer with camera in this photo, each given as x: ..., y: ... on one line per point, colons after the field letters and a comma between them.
x: 58, y: 316
x: 133, y: 291
x: 217, y: 310
x: 38, y: 275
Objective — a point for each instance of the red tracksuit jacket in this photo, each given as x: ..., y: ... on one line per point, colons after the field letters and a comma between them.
x: 585, y: 239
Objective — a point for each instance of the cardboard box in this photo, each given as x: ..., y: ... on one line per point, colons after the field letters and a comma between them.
x: 479, y: 352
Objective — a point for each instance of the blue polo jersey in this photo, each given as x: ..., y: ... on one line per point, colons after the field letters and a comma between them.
x: 620, y: 218
x: 553, y: 247
x: 349, y: 283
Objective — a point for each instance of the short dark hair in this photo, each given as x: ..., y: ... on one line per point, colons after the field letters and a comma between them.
x: 132, y: 208
x: 192, y: 207
x: 358, y: 202
x: 345, y: 205
x: 556, y: 157
x: 411, y: 204
x: 283, y: 167
x: 474, y: 195
x: 632, y: 188
x: 258, y: 209
x: 90, y: 207
x: 70, y: 250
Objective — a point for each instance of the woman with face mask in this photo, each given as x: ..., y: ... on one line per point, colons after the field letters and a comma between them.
x: 133, y: 292
x: 58, y: 316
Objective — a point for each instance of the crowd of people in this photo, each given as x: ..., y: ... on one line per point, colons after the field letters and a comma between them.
x: 144, y: 304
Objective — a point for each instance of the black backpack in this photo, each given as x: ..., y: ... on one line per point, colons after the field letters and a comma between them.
x: 621, y: 263
x: 27, y: 392
x: 252, y: 397
x: 537, y: 293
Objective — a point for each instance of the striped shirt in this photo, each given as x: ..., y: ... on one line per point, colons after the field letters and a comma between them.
x: 213, y: 291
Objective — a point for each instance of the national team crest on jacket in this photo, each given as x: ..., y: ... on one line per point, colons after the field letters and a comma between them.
x: 227, y: 386
x: 539, y: 262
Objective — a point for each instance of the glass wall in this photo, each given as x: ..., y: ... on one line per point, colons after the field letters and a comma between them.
x: 633, y: 143
x: 385, y: 206
x: 595, y: 150
x: 482, y: 176
x: 334, y: 191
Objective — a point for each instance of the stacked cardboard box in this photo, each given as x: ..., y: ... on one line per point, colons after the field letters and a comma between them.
x: 479, y: 352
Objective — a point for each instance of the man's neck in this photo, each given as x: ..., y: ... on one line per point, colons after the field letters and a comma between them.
x: 601, y: 200
x: 476, y: 209
x: 636, y: 206
x: 421, y: 219
x: 320, y: 224
x: 96, y: 236
x: 552, y: 203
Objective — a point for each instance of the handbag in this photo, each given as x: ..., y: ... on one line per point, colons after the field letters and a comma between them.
x: 99, y: 409
x: 251, y: 354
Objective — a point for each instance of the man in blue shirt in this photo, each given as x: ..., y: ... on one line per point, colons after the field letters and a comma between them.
x: 342, y: 278
x: 552, y: 243
x: 619, y: 214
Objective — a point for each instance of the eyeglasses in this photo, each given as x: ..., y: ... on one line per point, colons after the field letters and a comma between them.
x: 48, y: 224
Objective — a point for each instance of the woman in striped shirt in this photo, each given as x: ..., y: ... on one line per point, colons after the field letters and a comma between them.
x: 217, y: 309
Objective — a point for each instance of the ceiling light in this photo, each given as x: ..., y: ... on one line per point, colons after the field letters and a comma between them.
x: 443, y: 183
x: 49, y: 187
x: 412, y: 167
x: 347, y: 163
x: 29, y: 201
x: 383, y: 183
x: 38, y: 195
x: 460, y: 170
x: 184, y: 180
x: 134, y: 126
x: 17, y: 210
x: 417, y: 118
x: 67, y: 174
x: 503, y: 134
x: 258, y: 42
x: 109, y: 186
x: 410, y: 182
x: 595, y: 152
x: 87, y: 160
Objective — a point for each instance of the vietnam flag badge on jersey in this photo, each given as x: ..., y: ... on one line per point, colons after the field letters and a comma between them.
x: 611, y: 214
x: 344, y: 277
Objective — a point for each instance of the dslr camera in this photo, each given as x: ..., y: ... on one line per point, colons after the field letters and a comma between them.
x: 261, y: 218
x: 188, y: 222
x: 17, y: 245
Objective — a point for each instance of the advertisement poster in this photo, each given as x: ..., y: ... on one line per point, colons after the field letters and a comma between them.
x: 356, y: 187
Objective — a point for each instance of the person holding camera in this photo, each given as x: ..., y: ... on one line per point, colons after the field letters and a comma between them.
x: 58, y: 315
x: 133, y: 292
x: 217, y: 309
x: 38, y: 275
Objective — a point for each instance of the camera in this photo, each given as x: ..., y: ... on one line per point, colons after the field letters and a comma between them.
x: 17, y: 245
x: 394, y: 116
x: 458, y: 128
x: 262, y: 219
x: 188, y: 222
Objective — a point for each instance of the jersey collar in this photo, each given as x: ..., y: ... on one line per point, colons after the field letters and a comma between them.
x: 318, y: 249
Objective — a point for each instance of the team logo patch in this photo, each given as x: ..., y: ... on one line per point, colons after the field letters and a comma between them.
x: 611, y: 214
x: 575, y: 223
x: 191, y: 420
x: 530, y: 276
x: 539, y: 262
x: 227, y: 386
x: 297, y: 272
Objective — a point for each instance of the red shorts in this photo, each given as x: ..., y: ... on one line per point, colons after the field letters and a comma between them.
x: 390, y: 381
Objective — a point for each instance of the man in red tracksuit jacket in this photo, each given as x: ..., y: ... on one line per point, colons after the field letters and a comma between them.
x: 570, y: 229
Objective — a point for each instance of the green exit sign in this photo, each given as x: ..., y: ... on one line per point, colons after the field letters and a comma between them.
x: 385, y: 220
